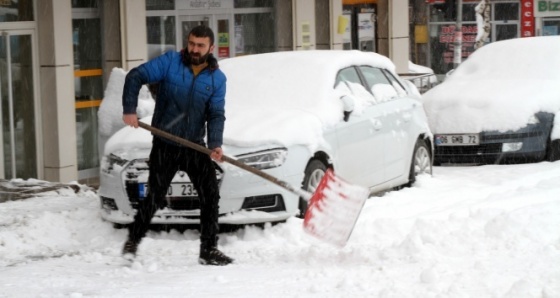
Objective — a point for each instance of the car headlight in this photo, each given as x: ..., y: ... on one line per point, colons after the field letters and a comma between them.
x: 265, y: 159
x: 109, y: 162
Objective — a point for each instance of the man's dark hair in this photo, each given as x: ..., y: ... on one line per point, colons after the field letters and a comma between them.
x: 202, y: 31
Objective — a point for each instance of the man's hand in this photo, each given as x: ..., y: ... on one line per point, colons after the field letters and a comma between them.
x: 216, y: 154
x: 131, y: 120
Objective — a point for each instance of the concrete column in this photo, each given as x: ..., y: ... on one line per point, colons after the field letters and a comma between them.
x: 304, y: 24
x: 400, y: 38
x: 54, y: 23
x: 134, y: 44
x: 110, y: 26
x: 284, y: 26
x: 393, y: 32
x: 335, y: 14
x: 323, y: 24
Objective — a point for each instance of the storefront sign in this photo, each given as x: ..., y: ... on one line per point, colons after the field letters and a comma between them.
x: 448, y: 36
x: 204, y: 4
x: 527, y: 19
x: 223, y: 45
x: 550, y: 8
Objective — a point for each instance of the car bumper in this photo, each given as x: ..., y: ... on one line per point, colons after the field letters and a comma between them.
x: 244, y: 198
x: 163, y: 217
x: 496, y: 148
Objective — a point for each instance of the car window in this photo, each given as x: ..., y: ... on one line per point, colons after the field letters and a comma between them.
x: 374, y: 76
x: 377, y: 81
x: 396, y: 83
x: 348, y: 75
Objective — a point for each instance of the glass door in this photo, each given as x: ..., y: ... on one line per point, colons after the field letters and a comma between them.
x: 220, y: 24
x: 19, y: 150
x: 88, y: 84
x: 189, y: 22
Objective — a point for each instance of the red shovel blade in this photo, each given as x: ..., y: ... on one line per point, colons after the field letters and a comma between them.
x: 333, y: 209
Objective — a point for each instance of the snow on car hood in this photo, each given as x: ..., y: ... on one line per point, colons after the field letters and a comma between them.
x: 499, y: 87
x: 276, y: 99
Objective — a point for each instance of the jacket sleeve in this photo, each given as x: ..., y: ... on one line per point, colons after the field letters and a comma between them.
x: 150, y: 72
x: 216, y: 117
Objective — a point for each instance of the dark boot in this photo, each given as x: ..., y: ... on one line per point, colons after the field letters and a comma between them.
x: 213, y: 256
x: 129, y: 249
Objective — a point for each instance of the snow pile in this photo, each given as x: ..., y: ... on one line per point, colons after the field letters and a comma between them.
x: 489, y: 231
x: 111, y: 110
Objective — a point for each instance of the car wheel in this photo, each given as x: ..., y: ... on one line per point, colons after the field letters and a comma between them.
x: 313, y: 174
x: 553, y: 150
x: 421, y: 161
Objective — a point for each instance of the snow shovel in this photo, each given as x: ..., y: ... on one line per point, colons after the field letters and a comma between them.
x: 333, y: 208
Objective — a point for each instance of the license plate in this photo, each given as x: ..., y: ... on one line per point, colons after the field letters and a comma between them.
x: 457, y: 140
x: 174, y: 190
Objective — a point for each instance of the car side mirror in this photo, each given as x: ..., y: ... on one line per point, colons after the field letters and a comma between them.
x: 348, y: 106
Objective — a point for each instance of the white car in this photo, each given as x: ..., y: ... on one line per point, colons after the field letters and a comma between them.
x: 292, y: 115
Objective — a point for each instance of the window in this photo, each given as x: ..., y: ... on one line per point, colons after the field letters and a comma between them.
x: 85, y: 4
x: 88, y: 83
x: 161, y: 35
x: 16, y: 11
x: 254, y: 33
x: 348, y: 75
x: 160, y: 4
x: 252, y: 3
x: 374, y: 76
x: 378, y: 84
x: 448, y: 12
x: 395, y: 83
x: 506, y: 11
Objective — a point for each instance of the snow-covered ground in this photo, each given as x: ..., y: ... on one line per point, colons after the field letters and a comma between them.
x: 488, y: 231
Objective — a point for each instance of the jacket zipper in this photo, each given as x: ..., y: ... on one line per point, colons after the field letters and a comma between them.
x: 190, y: 99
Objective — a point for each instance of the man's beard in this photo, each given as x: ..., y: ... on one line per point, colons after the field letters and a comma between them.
x: 196, y: 59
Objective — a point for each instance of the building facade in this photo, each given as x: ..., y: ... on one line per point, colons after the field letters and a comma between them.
x: 56, y: 57
x: 547, y: 17
x: 433, y: 27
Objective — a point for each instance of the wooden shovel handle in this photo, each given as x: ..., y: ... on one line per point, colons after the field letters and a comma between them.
x: 197, y: 147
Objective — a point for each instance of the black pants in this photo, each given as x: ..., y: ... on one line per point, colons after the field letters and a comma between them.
x: 165, y: 160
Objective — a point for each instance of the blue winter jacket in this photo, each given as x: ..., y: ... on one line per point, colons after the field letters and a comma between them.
x: 185, y: 104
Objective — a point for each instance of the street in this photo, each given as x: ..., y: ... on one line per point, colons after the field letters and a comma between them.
x: 486, y: 231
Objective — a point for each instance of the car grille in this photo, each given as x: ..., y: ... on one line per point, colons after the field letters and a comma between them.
x: 266, y: 203
x: 508, y: 137
x: 469, y: 150
x: 137, y: 173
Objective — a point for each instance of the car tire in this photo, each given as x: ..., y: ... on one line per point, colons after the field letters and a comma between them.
x: 553, y: 151
x: 314, y: 172
x: 421, y: 161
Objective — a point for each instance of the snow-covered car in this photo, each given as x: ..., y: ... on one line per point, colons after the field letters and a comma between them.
x: 502, y: 105
x: 292, y: 115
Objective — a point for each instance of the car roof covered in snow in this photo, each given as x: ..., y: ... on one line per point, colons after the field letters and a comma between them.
x: 499, y: 87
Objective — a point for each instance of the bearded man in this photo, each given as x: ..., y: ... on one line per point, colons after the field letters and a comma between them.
x: 190, y: 100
